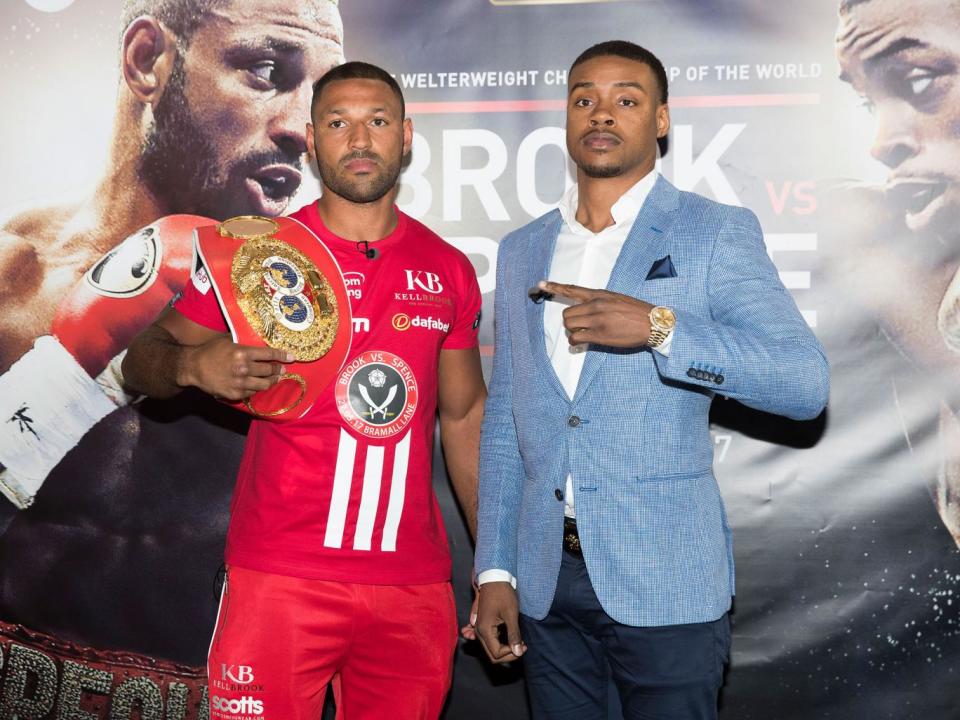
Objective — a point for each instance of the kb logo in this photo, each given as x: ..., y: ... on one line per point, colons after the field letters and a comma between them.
x: 426, y: 281
x: 239, y: 674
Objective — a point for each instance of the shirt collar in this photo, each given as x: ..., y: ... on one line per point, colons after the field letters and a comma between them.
x: 624, y: 210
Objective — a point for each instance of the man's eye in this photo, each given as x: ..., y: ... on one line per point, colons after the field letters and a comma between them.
x: 919, y: 80
x: 337, y: 124
x: 379, y: 122
x: 266, y: 71
x: 582, y: 102
x: 627, y: 102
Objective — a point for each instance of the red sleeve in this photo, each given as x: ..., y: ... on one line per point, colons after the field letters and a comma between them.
x: 198, y: 302
x: 466, y: 324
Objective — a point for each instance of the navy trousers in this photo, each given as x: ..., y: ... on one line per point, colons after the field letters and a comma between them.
x: 672, y: 672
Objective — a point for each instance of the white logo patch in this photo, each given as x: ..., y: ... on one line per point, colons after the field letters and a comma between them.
x: 201, y: 281
x: 130, y: 268
x: 354, y: 283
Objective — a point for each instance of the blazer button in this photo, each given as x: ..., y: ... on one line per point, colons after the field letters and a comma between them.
x: 719, y: 380
x: 691, y: 373
x: 573, y: 421
x: 558, y: 494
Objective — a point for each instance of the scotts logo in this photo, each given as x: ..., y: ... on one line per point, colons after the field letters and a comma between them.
x: 237, y: 706
x: 402, y: 322
x: 422, y: 280
x: 130, y: 268
x: 377, y: 394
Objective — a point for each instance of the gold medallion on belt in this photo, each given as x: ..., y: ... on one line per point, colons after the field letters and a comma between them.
x: 284, y: 297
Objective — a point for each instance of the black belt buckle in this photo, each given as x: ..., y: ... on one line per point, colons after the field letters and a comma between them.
x: 571, y: 538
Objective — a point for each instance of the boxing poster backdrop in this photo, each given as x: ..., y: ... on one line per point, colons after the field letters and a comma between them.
x: 846, y: 528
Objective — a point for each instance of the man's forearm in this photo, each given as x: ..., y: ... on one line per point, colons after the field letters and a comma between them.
x: 461, y: 447
x: 154, y: 364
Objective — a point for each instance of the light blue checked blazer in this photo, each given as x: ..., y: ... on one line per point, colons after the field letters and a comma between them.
x: 635, y: 436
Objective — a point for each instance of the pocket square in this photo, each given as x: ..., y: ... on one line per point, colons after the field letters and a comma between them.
x: 662, y: 268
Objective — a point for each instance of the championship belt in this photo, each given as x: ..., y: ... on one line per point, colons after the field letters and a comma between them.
x: 278, y: 285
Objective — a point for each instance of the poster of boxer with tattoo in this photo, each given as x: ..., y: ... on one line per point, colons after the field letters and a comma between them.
x: 110, y: 543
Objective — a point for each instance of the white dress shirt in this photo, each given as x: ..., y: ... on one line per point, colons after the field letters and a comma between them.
x: 585, y: 258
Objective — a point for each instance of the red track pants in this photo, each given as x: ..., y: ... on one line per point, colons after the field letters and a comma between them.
x: 280, y: 640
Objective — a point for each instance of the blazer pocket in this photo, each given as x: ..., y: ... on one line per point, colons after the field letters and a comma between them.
x: 680, y: 475
x: 662, y: 290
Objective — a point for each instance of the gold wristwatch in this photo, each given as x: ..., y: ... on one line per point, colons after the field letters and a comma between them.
x: 662, y: 322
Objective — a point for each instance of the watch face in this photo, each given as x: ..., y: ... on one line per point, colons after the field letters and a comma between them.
x: 662, y: 318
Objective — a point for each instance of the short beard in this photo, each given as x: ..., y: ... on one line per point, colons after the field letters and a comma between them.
x: 183, y: 169
x: 601, y: 171
x: 369, y: 192
x: 178, y: 162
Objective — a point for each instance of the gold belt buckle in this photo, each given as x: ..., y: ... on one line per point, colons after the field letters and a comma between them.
x: 571, y: 538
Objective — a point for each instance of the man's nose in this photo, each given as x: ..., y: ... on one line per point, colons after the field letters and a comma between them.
x: 360, y: 136
x: 601, y: 115
x: 288, y: 127
x: 896, y: 139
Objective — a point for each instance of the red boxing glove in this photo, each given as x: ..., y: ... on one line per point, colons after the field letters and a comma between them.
x: 66, y: 383
x: 125, y: 290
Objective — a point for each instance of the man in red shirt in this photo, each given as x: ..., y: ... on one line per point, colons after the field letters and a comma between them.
x: 337, y: 558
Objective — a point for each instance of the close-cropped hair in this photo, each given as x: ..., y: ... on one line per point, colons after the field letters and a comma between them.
x: 630, y: 51
x: 357, y: 70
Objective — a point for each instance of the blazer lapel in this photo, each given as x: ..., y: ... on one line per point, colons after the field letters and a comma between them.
x: 543, y: 240
x: 646, y: 242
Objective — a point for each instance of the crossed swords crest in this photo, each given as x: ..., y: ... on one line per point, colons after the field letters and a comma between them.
x: 375, y: 408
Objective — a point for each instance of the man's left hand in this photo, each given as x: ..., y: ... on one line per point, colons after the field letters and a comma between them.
x: 602, y: 317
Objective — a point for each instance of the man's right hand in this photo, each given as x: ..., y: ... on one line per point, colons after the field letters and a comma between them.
x: 229, y: 371
x: 498, y: 607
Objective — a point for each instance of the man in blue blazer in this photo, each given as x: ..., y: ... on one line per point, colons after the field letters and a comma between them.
x: 602, y: 533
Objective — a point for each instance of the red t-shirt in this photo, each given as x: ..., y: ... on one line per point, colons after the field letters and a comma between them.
x: 345, y: 492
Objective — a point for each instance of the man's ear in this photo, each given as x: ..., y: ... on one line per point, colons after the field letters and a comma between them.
x: 407, y: 135
x: 311, y: 143
x: 147, y: 57
x: 663, y: 120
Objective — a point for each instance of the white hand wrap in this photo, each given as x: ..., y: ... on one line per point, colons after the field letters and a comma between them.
x: 47, y: 403
x: 111, y: 383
